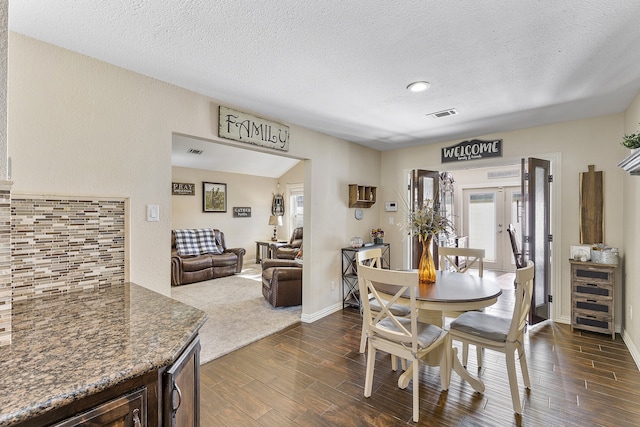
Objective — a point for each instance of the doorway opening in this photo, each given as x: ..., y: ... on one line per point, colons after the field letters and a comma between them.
x: 487, y: 200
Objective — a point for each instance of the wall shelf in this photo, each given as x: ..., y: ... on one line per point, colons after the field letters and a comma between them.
x: 632, y: 163
x: 361, y: 196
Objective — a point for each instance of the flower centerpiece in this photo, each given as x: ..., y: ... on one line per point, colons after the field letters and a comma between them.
x: 377, y: 235
x: 426, y: 222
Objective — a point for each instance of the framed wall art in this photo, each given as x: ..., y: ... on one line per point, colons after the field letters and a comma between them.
x: 214, y: 197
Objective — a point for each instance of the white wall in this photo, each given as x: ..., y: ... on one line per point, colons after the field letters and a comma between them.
x: 81, y: 126
x: 576, y: 144
x: 631, y: 227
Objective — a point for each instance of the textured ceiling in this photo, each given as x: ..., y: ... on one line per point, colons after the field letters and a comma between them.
x: 342, y: 67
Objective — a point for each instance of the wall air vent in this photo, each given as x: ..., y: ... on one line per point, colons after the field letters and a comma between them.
x: 443, y: 113
x: 194, y: 151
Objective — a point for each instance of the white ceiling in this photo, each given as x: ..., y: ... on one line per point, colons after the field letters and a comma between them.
x: 342, y: 67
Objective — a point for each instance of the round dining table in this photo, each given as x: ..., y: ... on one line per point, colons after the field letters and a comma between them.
x: 452, y: 291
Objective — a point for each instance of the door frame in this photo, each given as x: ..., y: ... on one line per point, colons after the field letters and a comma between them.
x: 556, y: 214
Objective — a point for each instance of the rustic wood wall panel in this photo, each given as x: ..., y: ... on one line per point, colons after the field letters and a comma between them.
x: 591, y: 206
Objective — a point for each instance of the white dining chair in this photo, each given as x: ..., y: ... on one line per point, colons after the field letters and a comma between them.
x: 501, y: 334
x: 404, y: 337
x: 474, y: 258
x: 372, y: 258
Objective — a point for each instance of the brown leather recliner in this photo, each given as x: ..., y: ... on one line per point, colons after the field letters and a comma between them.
x: 282, y: 282
x: 291, y: 249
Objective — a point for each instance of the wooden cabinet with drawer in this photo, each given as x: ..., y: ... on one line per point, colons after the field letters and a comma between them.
x: 592, y: 297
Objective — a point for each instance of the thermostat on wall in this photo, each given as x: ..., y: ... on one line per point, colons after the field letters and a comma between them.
x: 390, y: 206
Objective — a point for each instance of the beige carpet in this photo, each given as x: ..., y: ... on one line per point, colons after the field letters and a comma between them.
x: 238, y: 313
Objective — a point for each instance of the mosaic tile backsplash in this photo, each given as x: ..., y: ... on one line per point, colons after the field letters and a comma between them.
x: 5, y: 264
x: 60, y: 244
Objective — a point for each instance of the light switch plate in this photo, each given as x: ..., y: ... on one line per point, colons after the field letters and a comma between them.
x: 153, y: 213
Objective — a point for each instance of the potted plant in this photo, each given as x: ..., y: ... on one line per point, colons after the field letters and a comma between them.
x: 426, y: 222
x: 631, y: 141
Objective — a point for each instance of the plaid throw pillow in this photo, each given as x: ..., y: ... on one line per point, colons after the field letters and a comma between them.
x: 187, y: 243
x: 207, y: 241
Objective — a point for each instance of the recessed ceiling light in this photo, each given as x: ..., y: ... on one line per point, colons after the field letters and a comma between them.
x: 419, y: 86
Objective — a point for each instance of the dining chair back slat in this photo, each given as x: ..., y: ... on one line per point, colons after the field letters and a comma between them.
x: 370, y: 257
x: 517, y: 254
x: 474, y: 257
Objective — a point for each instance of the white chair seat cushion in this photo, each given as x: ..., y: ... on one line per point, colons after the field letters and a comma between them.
x: 482, y: 325
x: 427, y: 333
x: 396, y: 309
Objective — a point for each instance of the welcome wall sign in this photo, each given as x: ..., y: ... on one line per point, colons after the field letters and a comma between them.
x: 250, y: 129
x: 472, y: 150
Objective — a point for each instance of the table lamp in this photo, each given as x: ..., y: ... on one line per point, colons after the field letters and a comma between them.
x: 276, y: 221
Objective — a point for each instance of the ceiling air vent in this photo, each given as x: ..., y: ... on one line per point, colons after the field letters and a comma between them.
x: 194, y: 151
x: 444, y: 113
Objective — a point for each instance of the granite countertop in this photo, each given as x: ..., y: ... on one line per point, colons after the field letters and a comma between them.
x: 69, y: 346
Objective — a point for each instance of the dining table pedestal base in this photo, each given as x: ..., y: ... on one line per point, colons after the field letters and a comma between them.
x: 474, y: 381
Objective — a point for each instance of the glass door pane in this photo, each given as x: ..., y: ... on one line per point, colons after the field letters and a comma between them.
x: 295, y: 212
x: 481, y: 223
x: 487, y: 214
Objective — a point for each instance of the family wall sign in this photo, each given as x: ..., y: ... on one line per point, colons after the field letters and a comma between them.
x: 247, y: 128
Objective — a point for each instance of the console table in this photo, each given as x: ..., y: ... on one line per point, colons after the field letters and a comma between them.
x: 350, y: 293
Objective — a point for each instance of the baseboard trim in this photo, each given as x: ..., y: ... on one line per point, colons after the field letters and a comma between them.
x: 632, y: 348
x: 310, y: 318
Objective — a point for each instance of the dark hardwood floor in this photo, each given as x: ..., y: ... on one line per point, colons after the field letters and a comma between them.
x: 313, y: 375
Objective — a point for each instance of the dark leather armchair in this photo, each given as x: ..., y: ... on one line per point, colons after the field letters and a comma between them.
x: 291, y: 249
x: 282, y: 282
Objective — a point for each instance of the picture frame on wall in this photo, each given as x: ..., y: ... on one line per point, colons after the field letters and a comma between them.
x: 214, y: 197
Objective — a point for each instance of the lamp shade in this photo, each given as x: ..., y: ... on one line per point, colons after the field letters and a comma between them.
x: 275, y: 220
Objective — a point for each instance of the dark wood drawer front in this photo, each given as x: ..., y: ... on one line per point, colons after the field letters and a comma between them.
x: 592, y: 305
x: 592, y: 274
x: 594, y: 323
x: 126, y: 411
x: 592, y: 289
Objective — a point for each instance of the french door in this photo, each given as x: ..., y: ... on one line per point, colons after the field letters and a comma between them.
x: 487, y: 212
x: 423, y: 185
x: 536, y: 231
